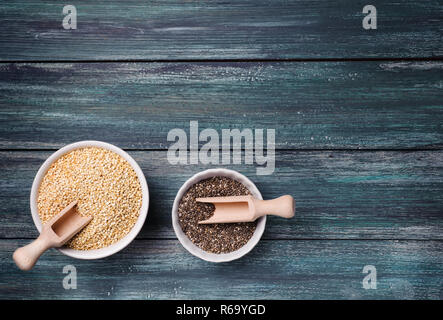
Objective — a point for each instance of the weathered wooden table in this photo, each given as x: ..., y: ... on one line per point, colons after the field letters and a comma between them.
x: 358, y: 117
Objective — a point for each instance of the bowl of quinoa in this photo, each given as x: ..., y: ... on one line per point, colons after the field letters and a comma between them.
x: 219, y: 242
x: 108, y: 185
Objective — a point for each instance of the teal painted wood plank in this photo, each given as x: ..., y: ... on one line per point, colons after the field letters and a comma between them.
x: 251, y: 29
x: 149, y: 269
x: 339, y: 195
x: 328, y: 105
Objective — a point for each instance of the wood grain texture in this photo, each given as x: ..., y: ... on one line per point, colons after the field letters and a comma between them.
x: 252, y: 29
x: 324, y: 105
x: 339, y: 195
x: 149, y: 269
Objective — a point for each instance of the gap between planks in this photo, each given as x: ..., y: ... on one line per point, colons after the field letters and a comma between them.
x: 413, y: 149
x: 432, y: 58
x: 273, y: 239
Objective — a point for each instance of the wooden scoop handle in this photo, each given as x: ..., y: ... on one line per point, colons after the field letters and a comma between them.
x: 283, y: 206
x: 26, y: 257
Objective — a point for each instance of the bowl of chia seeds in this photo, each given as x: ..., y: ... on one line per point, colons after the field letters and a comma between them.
x: 220, y: 242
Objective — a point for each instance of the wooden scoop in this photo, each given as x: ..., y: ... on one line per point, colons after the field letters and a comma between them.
x: 55, y: 233
x: 247, y: 208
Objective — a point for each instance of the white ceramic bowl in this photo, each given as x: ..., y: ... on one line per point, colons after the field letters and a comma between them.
x: 109, y: 250
x: 189, y: 245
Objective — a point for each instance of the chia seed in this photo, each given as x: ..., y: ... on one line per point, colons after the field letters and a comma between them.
x: 219, y: 237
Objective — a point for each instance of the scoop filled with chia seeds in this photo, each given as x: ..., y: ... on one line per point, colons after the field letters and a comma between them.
x: 213, y: 238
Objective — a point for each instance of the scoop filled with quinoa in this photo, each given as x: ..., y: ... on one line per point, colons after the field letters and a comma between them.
x: 106, y: 188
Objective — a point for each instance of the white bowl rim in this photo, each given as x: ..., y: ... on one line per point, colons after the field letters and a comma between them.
x: 189, y: 245
x: 122, y: 243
